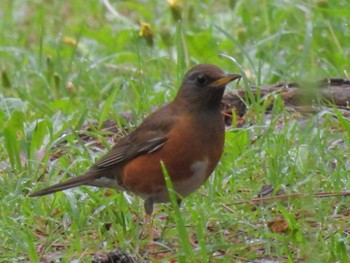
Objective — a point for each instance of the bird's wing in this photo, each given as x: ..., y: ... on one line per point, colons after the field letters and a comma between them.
x: 149, y: 137
x: 128, y: 149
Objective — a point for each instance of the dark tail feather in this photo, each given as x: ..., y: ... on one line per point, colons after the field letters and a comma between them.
x: 85, y: 179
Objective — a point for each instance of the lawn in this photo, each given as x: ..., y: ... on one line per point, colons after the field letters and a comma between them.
x: 70, y: 68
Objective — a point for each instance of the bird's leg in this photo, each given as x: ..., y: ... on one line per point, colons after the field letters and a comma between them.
x: 148, y: 217
x: 179, y: 201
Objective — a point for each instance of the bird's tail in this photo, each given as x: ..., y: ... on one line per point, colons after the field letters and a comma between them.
x: 85, y: 179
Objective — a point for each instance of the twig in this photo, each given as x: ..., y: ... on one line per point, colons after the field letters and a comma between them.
x: 266, y: 199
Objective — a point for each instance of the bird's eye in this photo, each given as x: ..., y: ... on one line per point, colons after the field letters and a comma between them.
x: 201, y: 79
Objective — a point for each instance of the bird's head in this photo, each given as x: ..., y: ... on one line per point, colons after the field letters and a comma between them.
x: 203, y: 87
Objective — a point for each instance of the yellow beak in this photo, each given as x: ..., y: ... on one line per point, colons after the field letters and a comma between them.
x: 227, y: 78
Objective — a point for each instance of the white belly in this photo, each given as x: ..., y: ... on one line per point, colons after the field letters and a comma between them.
x: 188, y: 186
x: 198, y: 177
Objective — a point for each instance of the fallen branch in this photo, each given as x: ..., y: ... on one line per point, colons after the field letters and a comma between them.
x: 332, y: 91
x: 282, y: 197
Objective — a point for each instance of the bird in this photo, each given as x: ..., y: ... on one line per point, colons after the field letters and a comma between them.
x: 186, y: 136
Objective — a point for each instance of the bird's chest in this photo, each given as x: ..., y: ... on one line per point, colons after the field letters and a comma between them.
x: 201, y: 141
x: 193, y: 156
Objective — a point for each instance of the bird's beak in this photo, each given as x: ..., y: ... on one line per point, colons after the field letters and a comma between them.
x: 227, y: 78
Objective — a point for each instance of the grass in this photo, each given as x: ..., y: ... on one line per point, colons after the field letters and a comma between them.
x: 64, y: 64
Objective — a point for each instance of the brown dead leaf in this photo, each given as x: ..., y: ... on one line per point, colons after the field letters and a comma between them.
x: 56, y: 212
x: 278, y: 225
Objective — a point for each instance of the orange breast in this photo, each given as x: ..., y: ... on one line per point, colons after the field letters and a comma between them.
x: 190, y: 156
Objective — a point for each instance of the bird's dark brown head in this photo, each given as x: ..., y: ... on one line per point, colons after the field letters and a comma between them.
x: 203, y: 87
